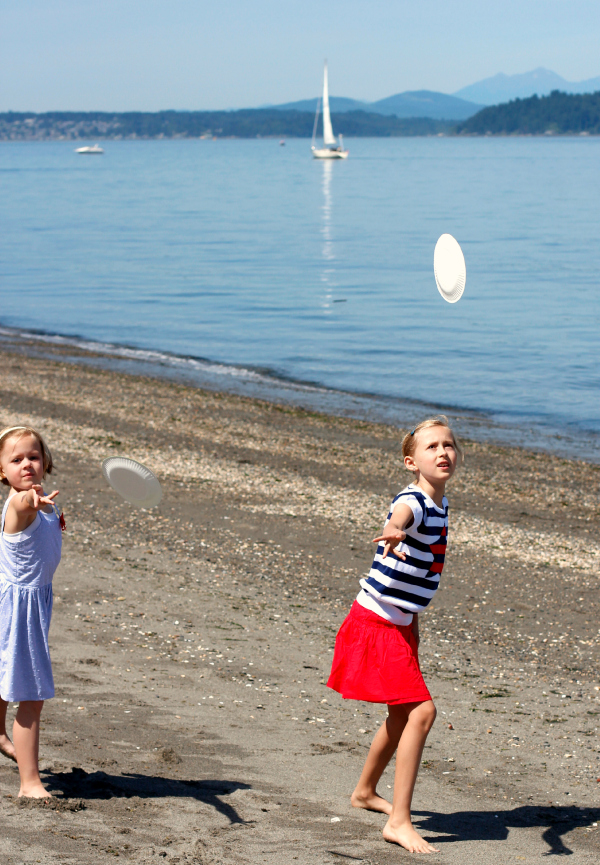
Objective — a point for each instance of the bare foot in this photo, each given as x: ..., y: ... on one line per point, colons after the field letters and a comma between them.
x: 406, y: 836
x: 35, y: 791
x: 371, y: 802
x: 7, y: 748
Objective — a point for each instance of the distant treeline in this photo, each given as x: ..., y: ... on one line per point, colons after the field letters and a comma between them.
x: 558, y: 113
x: 249, y: 123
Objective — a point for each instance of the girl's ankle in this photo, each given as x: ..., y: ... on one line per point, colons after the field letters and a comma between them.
x: 399, y: 821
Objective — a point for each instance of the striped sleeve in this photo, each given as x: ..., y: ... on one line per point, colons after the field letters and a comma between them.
x: 413, y: 503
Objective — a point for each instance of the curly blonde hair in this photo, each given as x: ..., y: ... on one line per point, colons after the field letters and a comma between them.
x: 18, y: 432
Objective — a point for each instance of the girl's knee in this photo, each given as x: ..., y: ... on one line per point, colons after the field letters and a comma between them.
x: 424, y: 715
x: 30, y: 709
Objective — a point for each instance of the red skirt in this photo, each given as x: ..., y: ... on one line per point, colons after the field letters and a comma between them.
x: 376, y: 661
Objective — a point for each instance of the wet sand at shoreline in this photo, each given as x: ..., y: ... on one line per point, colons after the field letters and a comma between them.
x: 191, y: 643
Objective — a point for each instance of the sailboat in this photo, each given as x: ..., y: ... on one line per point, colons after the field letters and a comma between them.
x: 331, y: 149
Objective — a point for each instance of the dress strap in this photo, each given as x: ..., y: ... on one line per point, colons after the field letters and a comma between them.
x: 4, y: 509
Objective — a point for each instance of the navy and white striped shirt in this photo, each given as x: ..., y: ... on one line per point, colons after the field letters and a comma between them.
x: 408, y: 586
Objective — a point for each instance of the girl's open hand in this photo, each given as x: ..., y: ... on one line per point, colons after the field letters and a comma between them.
x: 36, y: 498
x: 391, y: 537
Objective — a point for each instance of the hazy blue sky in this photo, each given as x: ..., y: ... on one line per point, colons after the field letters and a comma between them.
x: 192, y: 54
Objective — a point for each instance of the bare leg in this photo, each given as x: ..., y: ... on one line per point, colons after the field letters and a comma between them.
x: 380, y: 753
x: 6, y: 746
x: 399, y: 828
x: 26, y: 736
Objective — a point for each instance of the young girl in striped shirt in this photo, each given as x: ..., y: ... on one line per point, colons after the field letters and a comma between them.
x: 376, y: 649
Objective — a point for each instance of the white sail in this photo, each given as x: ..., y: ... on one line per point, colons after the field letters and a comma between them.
x: 328, y: 136
x: 330, y: 149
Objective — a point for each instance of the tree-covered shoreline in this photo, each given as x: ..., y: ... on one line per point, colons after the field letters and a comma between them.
x: 556, y: 114
x: 248, y: 123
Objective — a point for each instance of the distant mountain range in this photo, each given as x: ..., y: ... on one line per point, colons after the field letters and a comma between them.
x: 412, y: 103
x: 490, y: 109
x: 460, y: 105
x: 503, y: 88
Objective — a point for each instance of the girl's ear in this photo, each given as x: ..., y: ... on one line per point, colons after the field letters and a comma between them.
x: 410, y: 464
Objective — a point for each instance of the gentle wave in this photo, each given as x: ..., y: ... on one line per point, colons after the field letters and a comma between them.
x: 183, y: 363
x: 271, y: 387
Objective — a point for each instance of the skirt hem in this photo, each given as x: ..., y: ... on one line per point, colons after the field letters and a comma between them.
x: 37, y: 698
x: 414, y: 698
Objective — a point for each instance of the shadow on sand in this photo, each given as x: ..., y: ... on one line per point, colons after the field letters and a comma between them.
x: 99, y: 785
x: 495, y: 825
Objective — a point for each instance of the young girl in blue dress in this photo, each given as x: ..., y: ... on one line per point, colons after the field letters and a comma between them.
x: 30, y: 548
x: 376, y: 649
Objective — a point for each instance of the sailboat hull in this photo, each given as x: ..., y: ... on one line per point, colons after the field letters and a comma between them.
x: 326, y: 153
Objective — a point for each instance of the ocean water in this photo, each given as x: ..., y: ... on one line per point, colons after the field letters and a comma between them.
x: 251, y: 267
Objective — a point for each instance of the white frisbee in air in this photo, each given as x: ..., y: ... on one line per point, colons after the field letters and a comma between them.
x: 449, y: 268
x: 133, y: 481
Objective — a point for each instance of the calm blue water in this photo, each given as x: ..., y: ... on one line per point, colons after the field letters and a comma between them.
x: 251, y: 254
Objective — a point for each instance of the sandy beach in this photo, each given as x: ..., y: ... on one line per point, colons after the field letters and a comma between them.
x: 191, y: 643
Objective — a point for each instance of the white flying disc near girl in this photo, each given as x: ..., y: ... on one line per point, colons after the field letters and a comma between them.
x: 132, y: 481
x: 449, y: 268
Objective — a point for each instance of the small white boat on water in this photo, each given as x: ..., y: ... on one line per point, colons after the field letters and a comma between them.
x: 331, y: 149
x: 94, y: 148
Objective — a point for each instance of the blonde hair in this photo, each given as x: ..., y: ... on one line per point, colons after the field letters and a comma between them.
x: 409, y: 442
x: 18, y: 432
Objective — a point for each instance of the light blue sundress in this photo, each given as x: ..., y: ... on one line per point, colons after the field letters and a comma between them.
x: 28, y: 561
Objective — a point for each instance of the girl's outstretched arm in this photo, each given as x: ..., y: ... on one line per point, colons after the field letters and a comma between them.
x: 24, y: 506
x: 393, y: 534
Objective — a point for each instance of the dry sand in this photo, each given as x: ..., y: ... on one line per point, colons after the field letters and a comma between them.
x: 191, y: 643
